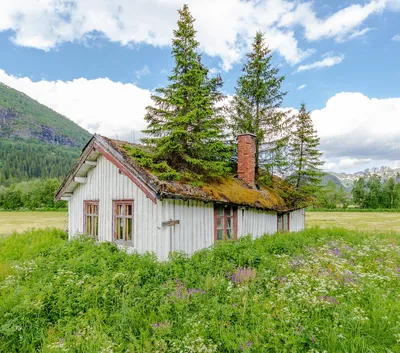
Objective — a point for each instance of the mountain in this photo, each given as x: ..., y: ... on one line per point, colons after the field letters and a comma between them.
x: 338, y: 182
x: 347, y: 179
x: 35, y: 141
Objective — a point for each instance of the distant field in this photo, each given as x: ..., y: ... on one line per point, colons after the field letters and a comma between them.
x: 355, y: 220
x: 22, y: 221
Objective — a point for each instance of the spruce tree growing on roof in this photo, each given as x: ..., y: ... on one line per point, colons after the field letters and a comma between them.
x: 185, y: 128
x: 255, y: 106
x: 305, y: 155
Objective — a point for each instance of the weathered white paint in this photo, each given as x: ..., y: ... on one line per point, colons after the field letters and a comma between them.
x: 195, y: 230
x: 80, y: 180
x: 297, y: 220
x: 91, y: 163
x: 256, y: 222
x: 105, y: 184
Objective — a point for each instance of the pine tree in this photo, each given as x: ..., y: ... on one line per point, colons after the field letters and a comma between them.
x: 185, y: 128
x: 254, y: 107
x: 304, y: 153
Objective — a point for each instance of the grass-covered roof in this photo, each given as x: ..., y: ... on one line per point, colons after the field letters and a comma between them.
x: 229, y: 190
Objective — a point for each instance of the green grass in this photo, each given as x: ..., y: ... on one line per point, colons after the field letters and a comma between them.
x: 356, y: 210
x: 22, y: 221
x: 330, y: 290
x: 371, y: 221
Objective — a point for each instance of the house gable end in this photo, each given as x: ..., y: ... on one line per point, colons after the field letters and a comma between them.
x: 97, y: 146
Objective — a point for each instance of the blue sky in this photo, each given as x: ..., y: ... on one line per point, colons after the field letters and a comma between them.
x: 97, y: 62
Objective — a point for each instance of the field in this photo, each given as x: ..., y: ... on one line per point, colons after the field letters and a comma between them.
x: 21, y: 221
x: 371, y: 221
x: 322, y: 290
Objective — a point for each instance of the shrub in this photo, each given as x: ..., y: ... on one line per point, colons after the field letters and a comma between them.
x: 319, y: 290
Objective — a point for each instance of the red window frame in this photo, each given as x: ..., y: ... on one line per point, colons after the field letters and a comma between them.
x: 121, y: 219
x: 93, y: 207
x: 282, y: 227
x: 226, y: 221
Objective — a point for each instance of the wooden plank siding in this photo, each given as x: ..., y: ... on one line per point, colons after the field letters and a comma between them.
x: 256, y: 222
x: 195, y: 230
x: 297, y: 220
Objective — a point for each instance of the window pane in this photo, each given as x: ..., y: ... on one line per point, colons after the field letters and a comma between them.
x: 120, y: 228
x: 229, y: 223
x: 88, y: 224
x: 128, y: 210
x: 220, y: 210
x: 96, y: 226
x: 220, y: 233
x: 128, y: 229
x: 286, y: 222
x: 220, y: 223
x: 228, y: 211
x: 229, y: 234
x: 95, y: 209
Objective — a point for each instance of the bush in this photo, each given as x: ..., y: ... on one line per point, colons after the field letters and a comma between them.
x: 319, y: 290
x: 31, y: 195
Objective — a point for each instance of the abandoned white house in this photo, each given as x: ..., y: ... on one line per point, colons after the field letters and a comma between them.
x: 111, y: 197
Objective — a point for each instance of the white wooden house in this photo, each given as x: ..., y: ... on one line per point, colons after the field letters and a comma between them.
x: 111, y: 197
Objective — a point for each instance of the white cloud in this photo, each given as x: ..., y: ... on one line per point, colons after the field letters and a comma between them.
x: 354, y: 127
x: 327, y: 61
x: 99, y: 105
x: 360, y: 33
x: 341, y: 25
x: 356, y: 131
x: 396, y: 37
x: 223, y: 31
x: 144, y: 71
x: 301, y: 87
x: 347, y: 163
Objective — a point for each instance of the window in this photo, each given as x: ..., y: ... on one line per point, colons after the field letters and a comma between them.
x: 283, y: 222
x: 123, y: 221
x: 225, y: 222
x: 91, y: 218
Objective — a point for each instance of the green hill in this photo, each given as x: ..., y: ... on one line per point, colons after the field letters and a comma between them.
x: 35, y: 141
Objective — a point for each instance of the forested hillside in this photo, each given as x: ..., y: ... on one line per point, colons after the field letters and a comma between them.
x: 35, y: 141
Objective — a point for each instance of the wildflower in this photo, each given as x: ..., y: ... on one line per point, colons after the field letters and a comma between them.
x: 312, y: 338
x: 242, y: 275
x: 335, y: 251
x: 249, y: 344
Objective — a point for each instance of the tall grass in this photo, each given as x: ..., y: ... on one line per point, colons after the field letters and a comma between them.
x: 328, y: 290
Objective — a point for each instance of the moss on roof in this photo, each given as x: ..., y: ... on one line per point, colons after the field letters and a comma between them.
x: 230, y: 190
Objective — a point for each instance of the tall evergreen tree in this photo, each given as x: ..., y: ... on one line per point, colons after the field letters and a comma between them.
x: 254, y: 107
x: 304, y: 153
x: 185, y: 128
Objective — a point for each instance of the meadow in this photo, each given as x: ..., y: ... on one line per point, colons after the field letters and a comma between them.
x: 24, y: 220
x: 321, y: 290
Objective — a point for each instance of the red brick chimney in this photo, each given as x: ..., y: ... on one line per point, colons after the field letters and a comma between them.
x: 247, y: 158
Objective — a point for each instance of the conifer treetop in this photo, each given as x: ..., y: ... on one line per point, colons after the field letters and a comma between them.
x: 185, y: 128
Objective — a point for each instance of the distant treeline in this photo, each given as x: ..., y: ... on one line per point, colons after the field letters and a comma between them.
x: 370, y: 193
x: 20, y: 160
x: 34, y: 194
